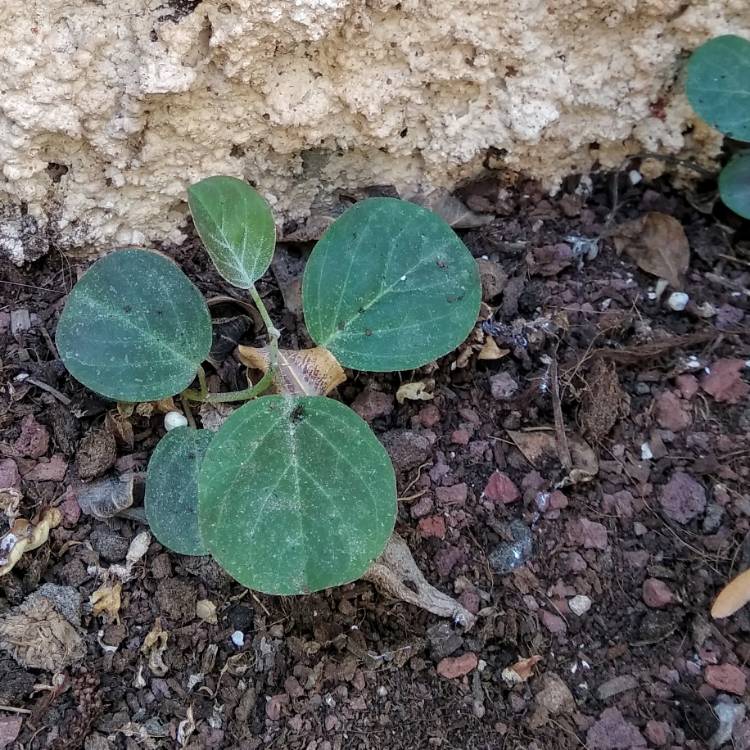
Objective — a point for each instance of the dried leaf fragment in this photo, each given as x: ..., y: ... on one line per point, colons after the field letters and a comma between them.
x: 734, y: 596
x: 396, y: 573
x: 521, y: 670
x: 657, y: 243
x: 107, y: 497
x: 137, y: 549
x: 539, y: 447
x: 206, y: 610
x: 25, y: 536
x: 420, y: 390
x: 491, y: 351
x: 106, y: 601
x: 154, y: 645
x: 310, y: 372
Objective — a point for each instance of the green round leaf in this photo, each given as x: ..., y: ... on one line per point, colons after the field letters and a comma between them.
x: 172, y: 489
x: 296, y: 494
x: 734, y: 184
x: 718, y: 85
x: 134, y: 327
x: 390, y: 287
x: 236, y: 226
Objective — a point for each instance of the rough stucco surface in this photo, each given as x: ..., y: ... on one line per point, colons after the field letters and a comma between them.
x: 108, y: 110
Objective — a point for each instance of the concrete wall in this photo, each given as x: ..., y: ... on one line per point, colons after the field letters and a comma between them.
x: 108, y: 110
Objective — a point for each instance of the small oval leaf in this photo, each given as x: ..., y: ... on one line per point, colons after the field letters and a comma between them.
x: 172, y: 489
x: 296, y: 494
x: 734, y: 184
x: 718, y: 85
x: 390, y: 287
x: 236, y: 226
x: 134, y: 327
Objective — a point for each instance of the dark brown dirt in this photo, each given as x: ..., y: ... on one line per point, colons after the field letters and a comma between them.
x: 350, y: 668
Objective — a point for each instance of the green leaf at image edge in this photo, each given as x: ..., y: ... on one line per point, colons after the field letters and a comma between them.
x: 296, y: 494
x: 734, y: 184
x: 718, y: 85
x: 171, y: 500
x: 134, y: 327
x: 236, y: 226
x: 390, y: 286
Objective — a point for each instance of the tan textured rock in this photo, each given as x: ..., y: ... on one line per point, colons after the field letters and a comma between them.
x: 109, y: 110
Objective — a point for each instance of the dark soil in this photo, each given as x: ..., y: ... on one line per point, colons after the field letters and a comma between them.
x: 649, y: 541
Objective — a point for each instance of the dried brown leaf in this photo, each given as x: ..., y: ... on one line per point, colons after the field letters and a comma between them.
x: 106, y: 601
x: 25, y: 536
x: 154, y: 645
x: 657, y: 243
x: 491, y: 351
x: 540, y: 450
x: 419, y: 390
x: 734, y: 596
x: 521, y: 670
x: 310, y: 372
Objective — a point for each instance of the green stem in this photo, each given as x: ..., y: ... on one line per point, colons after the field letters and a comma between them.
x: 262, y: 385
x: 273, y: 332
x: 202, y: 381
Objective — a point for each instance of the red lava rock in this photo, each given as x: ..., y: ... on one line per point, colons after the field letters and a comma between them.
x: 69, y: 508
x: 501, y: 489
x: 460, y: 437
x: 275, y: 705
x: 726, y: 677
x: 613, y: 732
x: 587, y: 534
x: 454, y: 495
x: 33, y: 440
x: 671, y: 413
x: 724, y: 381
x: 658, y: 733
x: 9, y: 476
x: 48, y: 471
x: 620, y: 503
x: 407, y: 449
x: 470, y: 600
x: 656, y: 593
x: 688, y: 385
x: 429, y: 416
x: 371, y: 404
x: 554, y: 623
x: 432, y: 526
x: 293, y: 688
x: 503, y: 387
x: 457, y: 666
x: 682, y: 498
x: 446, y: 559
x: 422, y: 507
x: 557, y: 500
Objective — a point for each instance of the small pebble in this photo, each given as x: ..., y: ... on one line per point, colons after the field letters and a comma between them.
x: 579, y: 605
x: 646, y: 454
x: 635, y: 176
x: 238, y: 638
x: 677, y: 301
x: 173, y: 420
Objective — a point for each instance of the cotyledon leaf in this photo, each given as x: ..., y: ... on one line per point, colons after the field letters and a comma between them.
x: 134, y: 328
x: 236, y: 226
x: 734, y: 184
x: 718, y: 84
x: 390, y: 287
x: 172, y: 489
x: 296, y: 494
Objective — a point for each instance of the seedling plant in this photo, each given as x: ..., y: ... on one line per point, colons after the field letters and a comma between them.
x: 294, y: 493
x: 718, y: 88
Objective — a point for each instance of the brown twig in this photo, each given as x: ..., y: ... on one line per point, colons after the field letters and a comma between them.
x: 561, y: 438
